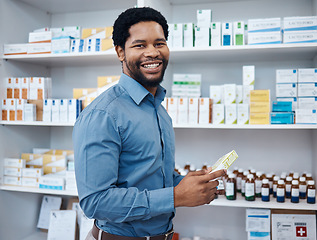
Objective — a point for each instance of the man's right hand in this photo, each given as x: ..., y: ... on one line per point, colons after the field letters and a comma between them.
x: 197, y: 188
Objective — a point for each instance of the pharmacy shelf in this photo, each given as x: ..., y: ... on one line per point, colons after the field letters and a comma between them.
x: 272, y: 52
x: 61, y: 6
x: 181, y: 126
x: 38, y: 190
x: 38, y: 123
x: 258, y: 203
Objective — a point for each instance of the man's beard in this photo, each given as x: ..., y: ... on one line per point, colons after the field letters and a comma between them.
x: 137, y: 75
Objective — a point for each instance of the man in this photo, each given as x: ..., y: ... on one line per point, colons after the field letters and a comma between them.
x: 124, y: 142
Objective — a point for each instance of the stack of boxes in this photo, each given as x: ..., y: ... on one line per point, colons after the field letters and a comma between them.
x: 264, y: 31
x: 300, y: 29
x: 260, y: 107
x: 186, y: 85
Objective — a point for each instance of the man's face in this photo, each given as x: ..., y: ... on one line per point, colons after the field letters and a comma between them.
x: 146, y: 54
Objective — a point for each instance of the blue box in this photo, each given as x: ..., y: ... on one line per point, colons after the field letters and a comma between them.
x: 278, y: 106
x: 282, y: 118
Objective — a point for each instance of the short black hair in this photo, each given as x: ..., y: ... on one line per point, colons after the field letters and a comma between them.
x: 133, y: 16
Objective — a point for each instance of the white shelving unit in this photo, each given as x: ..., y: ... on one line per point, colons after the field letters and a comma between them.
x: 265, y: 147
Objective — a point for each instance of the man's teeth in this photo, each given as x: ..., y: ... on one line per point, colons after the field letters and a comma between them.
x: 154, y: 65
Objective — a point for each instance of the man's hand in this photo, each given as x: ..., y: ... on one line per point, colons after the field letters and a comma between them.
x: 197, y: 188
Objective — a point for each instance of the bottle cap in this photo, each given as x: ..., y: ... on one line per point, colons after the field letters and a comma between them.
x: 283, y: 175
x: 245, y: 173
x: 311, y: 182
x: 280, y: 182
x: 192, y: 167
x: 258, y: 174
x: 250, y: 176
x: 232, y: 175
x: 276, y: 178
x: 295, y: 182
x: 265, y: 181
x: 269, y: 175
x: 252, y: 171
x: 296, y: 175
x: 308, y: 175
x: 302, y: 179
x: 289, y: 178
x: 240, y: 170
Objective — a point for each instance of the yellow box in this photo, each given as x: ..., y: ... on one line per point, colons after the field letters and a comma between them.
x: 82, y: 92
x: 260, y: 95
x: 30, y: 156
x: 260, y: 107
x: 105, y: 32
x: 54, y: 170
x: 107, y: 80
x: 259, y: 118
x: 87, y: 101
x: 106, y: 44
x: 225, y: 161
x: 54, y: 160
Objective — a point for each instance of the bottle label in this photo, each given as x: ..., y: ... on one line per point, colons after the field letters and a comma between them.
x: 249, y: 189
x: 274, y: 187
x: 229, y: 189
x: 258, y: 186
x: 295, y: 192
x: 271, y: 184
x: 302, y: 188
x: 265, y: 192
x: 243, y: 186
x: 311, y: 193
x: 280, y: 192
x: 220, y: 186
x: 288, y: 187
x: 239, y: 179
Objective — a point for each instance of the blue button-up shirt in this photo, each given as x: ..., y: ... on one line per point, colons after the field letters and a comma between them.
x: 124, y: 161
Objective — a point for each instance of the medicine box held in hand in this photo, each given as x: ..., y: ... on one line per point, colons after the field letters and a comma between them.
x: 225, y: 161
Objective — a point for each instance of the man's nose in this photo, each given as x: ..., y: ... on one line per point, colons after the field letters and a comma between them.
x: 151, y: 51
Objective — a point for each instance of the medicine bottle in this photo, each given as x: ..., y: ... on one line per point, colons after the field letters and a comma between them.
x: 291, y: 173
x: 288, y: 186
x: 275, y: 180
x: 296, y: 176
x: 280, y: 191
x: 304, y: 174
x: 239, y: 179
x: 302, y: 188
x: 231, y: 187
x: 283, y: 176
x: 258, y: 184
x: 265, y: 190
x: 192, y: 168
x: 235, y: 171
x: 253, y: 172
x: 309, y: 177
x: 187, y: 167
x: 250, y: 188
x: 269, y: 176
x: 295, y: 191
x: 244, y: 179
x: 204, y: 167
x: 311, y: 192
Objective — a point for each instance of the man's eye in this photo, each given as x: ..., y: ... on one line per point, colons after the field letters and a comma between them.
x: 160, y: 44
x: 139, y: 46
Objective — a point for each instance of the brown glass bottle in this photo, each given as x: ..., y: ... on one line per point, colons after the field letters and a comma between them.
x: 265, y: 190
x: 302, y: 188
x: 275, y: 180
x: 295, y: 191
x: 258, y: 184
x: 280, y: 191
x: 311, y: 192
x: 231, y: 187
x: 309, y: 177
x: 243, y: 181
x: 288, y: 186
x: 250, y: 188
x: 239, y: 179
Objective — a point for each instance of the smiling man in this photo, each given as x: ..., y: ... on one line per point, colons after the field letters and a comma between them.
x: 124, y: 143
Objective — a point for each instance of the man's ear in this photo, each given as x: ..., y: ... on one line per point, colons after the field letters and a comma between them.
x: 120, y: 53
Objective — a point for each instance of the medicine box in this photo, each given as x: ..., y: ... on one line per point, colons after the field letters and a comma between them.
x: 215, y: 34
x: 71, y: 31
x: 259, y: 236
x: 39, y: 48
x: 93, y: 45
x: 231, y: 114
x: 56, y: 110
x: 183, y: 110
x: 15, y: 49
x: 74, y: 108
x: 202, y: 36
x: 61, y: 45
x: 204, y: 17
x: 248, y: 75
x: 205, y: 109
x: 306, y: 116
x: 255, y: 38
x: 279, y: 106
x: 63, y: 110
x: 260, y: 118
x: 32, y: 172
x: 30, y: 182
x: 17, y: 88
x: 307, y: 75
x: 307, y: 102
x: 14, y: 162
x: 242, y: 114
x: 12, y: 181
x: 282, y: 118
x: 25, y: 88
x: 246, y: 93
x: 47, y: 110
x: 54, y: 160
x: 229, y: 93
x: 172, y: 108
x: 286, y: 90
x: 14, y: 172
x: 40, y: 37
x: 260, y: 107
x: 307, y: 89
x: 10, y: 87
x: 77, y: 45
x: 178, y: 35
x: 239, y: 94
x: 54, y: 171
x: 189, y: 30
x: 215, y: 93
x: 20, y: 109
x: 104, y: 32
x: 4, y: 110
x: 218, y: 114
x: 293, y: 100
x: 54, y: 183
x: 260, y: 95
x: 286, y: 76
x: 193, y: 110
x: 308, y: 23
x: 29, y: 112
x: 12, y: 108
x: 300, y: 37
x: 264, y: 25
x: 227, y: 34
x: 258, y: 220
x: 238, y: 33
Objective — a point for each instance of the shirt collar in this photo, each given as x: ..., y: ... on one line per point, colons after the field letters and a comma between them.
x: 137, y: 92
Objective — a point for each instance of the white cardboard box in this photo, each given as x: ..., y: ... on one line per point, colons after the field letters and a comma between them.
x: 286, y: 76
x: 203, y: 17
x: 183, y: 110
x: 178, y: 35
x: 307, y: 23
x: 248, y: 75
x: 218, y: 114
x: 215, y: 34
x: 202, y: 36
x: 231, y: 114
x: 189, y: 29
x: 305, y: 116
x: 255, y: 38
x: 294, y: 101
x: 172, y: 108
x: 15, y: 49
x: 238, y: 33
x: 229, y: 93
x: 204, y: 111
x: 227, y: 32
x: 193, y: 110
x: 307, y: 102
x: 307, y: 75
x: 307, y: 89
x: 300, y: 37
x: 242, y: 114
x: 264, y: 25
x: 216, y: 93
x: 286, y: 90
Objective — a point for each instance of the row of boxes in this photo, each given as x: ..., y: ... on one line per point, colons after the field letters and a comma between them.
x: 35, y: 88
x: 230, y: 93
x: 256, y: 31
x: 186, y: 85
x: 63, y: 40
x: 48, y: 110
